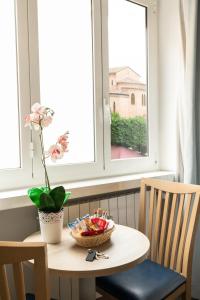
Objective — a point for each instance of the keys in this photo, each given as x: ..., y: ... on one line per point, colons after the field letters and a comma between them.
x: 101, y: 255
x: 91, y: 255
x: 94, y: 254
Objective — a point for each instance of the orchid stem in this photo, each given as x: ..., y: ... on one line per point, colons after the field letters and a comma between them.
x: 43, y: 159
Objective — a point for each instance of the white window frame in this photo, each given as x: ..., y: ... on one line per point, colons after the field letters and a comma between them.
x: 141, y: 164
x: 31, y: 172
x: 15, y: 178
x: 70, y: 172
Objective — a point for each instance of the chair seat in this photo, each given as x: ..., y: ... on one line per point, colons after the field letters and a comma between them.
x: 31, y: 297
x: 146, y: 281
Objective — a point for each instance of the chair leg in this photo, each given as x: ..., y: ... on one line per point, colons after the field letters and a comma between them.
x: 183, y: 297
x: 186, y: 296
x: 178, y: 294
x: 188, y: 291
x: 104, y: 295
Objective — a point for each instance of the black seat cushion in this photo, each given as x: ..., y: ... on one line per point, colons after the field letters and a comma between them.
x: 31, y: 297
x: 146, y: 281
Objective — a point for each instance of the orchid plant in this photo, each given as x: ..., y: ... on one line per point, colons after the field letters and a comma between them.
x: 45, y: 198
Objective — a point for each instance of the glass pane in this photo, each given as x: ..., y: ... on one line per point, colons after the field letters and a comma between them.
x: 9, y: 121
x: 66, y: 74
x: 128, y: 79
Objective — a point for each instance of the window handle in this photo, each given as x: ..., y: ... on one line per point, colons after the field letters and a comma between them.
x: 107, y: 110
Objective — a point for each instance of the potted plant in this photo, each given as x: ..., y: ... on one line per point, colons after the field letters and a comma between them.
x: 49, y: 201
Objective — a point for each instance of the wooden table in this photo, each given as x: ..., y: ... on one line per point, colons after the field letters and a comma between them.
x: 126, y: 248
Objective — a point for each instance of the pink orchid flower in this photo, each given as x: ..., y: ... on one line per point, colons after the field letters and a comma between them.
x: 40, y: 117
x: 55, y: 152
x: 32, y: 119
x: 35, y: 118
x: 63, y: 141
x: 46, y: 121
x: 27, y: 120
x: 38, y: 108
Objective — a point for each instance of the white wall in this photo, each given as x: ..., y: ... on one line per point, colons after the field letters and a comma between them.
x: 169, y: 76
x: 168, y: 43
x: 16, y: 225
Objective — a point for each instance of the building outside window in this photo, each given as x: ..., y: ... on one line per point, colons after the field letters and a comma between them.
x: 128, y: 67
x: 121, y: 92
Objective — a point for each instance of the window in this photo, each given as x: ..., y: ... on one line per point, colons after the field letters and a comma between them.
x: 114, y: 107
x: 8, y: 91
x: 15, y: 160
x: 132, y: 99
x: 84, y: 70
x: 66, y: 74
x: 128, y: 62
x: 131, y: 63
x: 143, y: 100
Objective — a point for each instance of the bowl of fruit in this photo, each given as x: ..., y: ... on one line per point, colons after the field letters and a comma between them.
x: 92, y: 230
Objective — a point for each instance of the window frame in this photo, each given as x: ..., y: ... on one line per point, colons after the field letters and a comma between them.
x: 31, y: 173
x: 140, y: 164
x: 79, y: 171
x: 15, y: 178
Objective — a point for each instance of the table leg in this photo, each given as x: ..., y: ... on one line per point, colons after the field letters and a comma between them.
x: 65, y: 288
x: 75, y: 283
x: 87, y: 289
x: 77, y: 289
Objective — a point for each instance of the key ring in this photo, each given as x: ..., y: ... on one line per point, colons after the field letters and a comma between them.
x: 101, y: 255
x: 98, y: 254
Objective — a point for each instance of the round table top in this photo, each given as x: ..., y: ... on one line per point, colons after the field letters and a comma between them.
x: 126, y: 248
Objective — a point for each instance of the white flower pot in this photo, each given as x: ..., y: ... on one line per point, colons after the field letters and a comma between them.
x: 51, y: 226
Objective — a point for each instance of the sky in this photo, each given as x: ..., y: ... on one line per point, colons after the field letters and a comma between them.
x: 127, y: 36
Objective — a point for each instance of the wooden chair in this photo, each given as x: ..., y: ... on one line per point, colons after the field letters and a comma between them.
x: 169, y: 213
x: 15, y: 253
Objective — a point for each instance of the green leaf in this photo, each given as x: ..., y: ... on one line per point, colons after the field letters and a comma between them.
x: 67, y: 195
x: 34, y: 195
x: 49, y: 201
x: 46, y: 203
x: 45, y: 189
x: 59, y: 196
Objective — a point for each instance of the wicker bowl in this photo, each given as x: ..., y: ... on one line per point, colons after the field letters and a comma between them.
x: 92, y: 241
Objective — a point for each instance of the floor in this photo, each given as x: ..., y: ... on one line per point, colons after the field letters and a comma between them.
x: 105, y: 298
x: 118, y: 152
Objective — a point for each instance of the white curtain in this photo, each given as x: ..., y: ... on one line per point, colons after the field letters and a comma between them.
x: 186, y: 102
x: 187, y: 112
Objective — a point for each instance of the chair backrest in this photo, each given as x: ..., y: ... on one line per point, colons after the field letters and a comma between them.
x: 169, y: 214
x: 15, y: 253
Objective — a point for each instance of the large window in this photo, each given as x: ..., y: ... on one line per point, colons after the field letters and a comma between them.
x: 9, y: 120
x: 92, y: 62
x: 15, y: 161
x: 128, y: 68
x: 66, y: 73
x: 130, y: 60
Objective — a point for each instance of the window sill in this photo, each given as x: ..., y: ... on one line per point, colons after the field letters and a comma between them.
x: 19, y: 198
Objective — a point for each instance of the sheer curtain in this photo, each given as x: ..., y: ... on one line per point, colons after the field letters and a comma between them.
x: 187, y: 126
x: 188, y: 109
